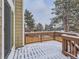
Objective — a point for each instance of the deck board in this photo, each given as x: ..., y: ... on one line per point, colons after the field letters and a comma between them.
x: 44, y: 50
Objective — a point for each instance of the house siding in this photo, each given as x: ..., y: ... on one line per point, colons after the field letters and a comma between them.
x: 18, y: 23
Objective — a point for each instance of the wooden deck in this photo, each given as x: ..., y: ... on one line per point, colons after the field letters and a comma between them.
x: 44, y: 50
x: 47, y: 45
x: 70, y: 41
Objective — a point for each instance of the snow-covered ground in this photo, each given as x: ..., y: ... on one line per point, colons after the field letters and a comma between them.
x: 44, y: 50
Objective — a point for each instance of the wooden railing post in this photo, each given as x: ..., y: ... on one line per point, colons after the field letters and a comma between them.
x: 54, y: 37
x: 40, y: 37
x: 64, y: 47
x: 25, y: 39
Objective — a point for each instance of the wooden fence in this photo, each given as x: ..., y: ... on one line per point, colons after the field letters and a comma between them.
x: 70, y: 41
x: 32, y: 37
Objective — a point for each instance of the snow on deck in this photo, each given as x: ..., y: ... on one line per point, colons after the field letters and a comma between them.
x: 44, y: 50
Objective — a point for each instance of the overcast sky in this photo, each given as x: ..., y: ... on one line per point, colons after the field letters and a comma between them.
x: 41, y: 9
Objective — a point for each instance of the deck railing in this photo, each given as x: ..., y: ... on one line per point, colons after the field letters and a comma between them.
x: 70, y: 45
x: 70, y: 41
x: 33, y: 37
